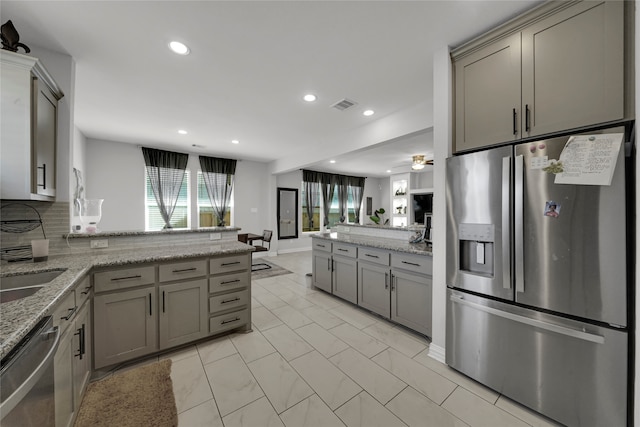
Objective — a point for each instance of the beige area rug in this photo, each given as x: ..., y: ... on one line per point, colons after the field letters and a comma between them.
x: 275, y: 270
x: 140, y: 397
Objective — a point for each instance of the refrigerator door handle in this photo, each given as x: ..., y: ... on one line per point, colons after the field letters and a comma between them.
x: 506, y: 228
x: 519, y: 223
x: 574, y: 333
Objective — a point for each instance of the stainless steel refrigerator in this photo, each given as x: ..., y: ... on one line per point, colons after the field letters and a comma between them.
x: 539, y: 279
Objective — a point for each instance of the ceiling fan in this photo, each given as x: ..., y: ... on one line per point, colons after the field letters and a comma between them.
x: 419, y: 162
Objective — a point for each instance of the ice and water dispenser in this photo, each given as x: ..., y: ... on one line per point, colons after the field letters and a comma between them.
x: 477, y: 242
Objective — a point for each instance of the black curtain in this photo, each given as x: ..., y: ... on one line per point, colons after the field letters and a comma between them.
x: 311, y: 193
x: 329, y: 183
x: 218, y: 177
x: 356, y: 186
x: 165, y: 170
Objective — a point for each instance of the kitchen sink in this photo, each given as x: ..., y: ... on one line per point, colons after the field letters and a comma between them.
x: 13, y: 288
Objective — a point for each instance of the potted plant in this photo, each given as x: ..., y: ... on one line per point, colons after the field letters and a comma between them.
x: 376, y: 217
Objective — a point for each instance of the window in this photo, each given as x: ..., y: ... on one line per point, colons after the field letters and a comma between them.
x: 206, y: 215
x: 316, y: 212
x: 180, y: 216
x: 334, y: 212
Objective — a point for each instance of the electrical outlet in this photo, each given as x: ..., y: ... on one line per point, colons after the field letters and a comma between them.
x: 99, y: 244
x: 215, y: 236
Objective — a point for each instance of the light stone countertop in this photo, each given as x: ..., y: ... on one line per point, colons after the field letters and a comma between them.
x: 18, y: 317
x: 377, y: 242
x: 101, y: 235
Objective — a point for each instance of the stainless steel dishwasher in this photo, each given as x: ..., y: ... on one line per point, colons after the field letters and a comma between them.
x: 26, y: 379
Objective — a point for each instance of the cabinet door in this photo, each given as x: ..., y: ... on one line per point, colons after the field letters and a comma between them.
x: 322, y: 270
x: 373, y: 288
x: 44, y: 120
x: 345, y: 278
x: 81, y: 353
x: 573, y: 68
x: 63, y: 378
x: 183, y: 312
x: 487, y: 95
x: 411, y: 301
x: 125, y: 326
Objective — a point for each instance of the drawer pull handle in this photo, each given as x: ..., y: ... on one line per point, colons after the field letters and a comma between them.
x: 411, y: 263
x: 224, y: 264
x: 230, y: 281
x: 185, y: 270
x: 137, y: 276
x: 230, y: 300
x: 44, y: 176
x: 343, y: 250
x: 372, y: 256
x: 86, y: 290
x: 224, y: 322
x: 70, y: 312
x: 320, y: 246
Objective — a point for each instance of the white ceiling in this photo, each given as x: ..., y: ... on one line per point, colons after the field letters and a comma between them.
x: 250, y: 64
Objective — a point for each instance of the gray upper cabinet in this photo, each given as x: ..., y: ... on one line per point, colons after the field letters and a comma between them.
x: 573, y: 68
x: 488, y: 95
x: 29, y: 110
x: 559, y: 67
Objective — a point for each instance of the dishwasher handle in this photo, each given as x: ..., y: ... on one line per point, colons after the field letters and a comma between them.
x: 16, y: 397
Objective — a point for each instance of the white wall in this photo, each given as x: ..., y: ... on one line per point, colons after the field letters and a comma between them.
x: 373, y: 187
x: 442, y: 140
x: 115, y: 173
x: 251, y: 197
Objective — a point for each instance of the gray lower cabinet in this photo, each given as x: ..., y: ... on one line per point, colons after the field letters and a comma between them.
x: 81, y: 353
x: 125, y: 325
x: 183, y: 312
x: 344, y: 277
x: 373, y: 288
x: 411, y: 300
x: 321, y: 267
x: 63, y: 379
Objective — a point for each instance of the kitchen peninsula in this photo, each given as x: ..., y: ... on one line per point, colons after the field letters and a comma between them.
x: 379, y: 270
x: 18, y: 317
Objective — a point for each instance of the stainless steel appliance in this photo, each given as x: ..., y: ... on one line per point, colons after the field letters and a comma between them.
x: 538, y: 277
x: 26, y: 379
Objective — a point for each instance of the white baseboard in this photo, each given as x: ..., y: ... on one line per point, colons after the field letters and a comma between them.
x: 437, y: 352
x: 290, y: 251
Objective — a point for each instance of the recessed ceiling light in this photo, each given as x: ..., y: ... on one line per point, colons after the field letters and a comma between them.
x: 235, y: 141
x: 310, y: 97
x: 388, y: 170
x: 368, y: 112
x: 179, y: 48
x: 332, y: 161
x: 182, y: 132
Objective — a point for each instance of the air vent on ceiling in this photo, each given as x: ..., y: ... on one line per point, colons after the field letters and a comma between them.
x: 343, y: 104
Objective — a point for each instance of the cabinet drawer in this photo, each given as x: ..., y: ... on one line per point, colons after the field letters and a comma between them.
x: 228, y: 264
x: 345, y: 250
x: 321, y: 245
x: 227, y: 301
x: 373, y: 255
x: 125, y: 278
x: 64, y: 311
x: 228, y: 282
x: 228, y: 321
x: 417, y: 263
x: 83, y: 291
x: 182, y: 270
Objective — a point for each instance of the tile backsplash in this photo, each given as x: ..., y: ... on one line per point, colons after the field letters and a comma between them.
x: 55, y: 223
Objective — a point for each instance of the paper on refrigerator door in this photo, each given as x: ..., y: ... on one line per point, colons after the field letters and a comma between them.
x: 589, y: 159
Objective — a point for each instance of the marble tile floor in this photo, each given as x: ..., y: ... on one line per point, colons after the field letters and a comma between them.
x: 315, y: 360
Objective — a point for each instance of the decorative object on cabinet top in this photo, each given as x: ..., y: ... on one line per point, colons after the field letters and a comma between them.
x: 11, y: 38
